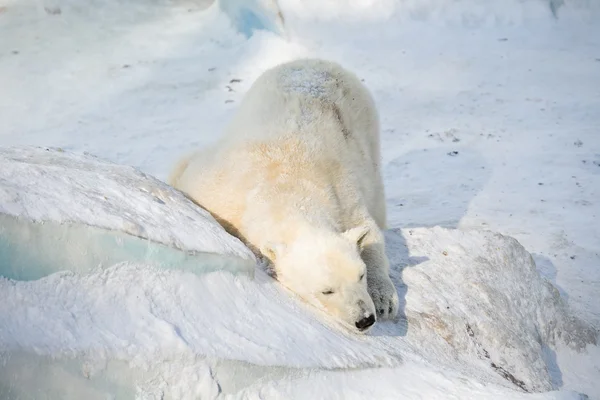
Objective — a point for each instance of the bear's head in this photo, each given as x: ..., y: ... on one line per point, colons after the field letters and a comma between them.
x: 326, y: 270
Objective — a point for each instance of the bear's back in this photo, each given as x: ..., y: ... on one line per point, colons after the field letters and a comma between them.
x: 308, y: 97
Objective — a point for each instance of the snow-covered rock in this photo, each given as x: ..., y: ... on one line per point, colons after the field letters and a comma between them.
x: 477, y: 296
x: 60, y: 210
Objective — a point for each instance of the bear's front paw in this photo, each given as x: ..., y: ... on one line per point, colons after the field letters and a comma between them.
x: 384, y: 296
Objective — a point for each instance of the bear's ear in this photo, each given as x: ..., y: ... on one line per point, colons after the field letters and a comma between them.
x: 356, y: 235
x: 272, y: 250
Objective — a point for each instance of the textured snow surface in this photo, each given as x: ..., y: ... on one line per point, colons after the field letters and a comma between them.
x: 481, y: 310
x: 481, y: 293
x: 489, y: 113
x: 42, y: 184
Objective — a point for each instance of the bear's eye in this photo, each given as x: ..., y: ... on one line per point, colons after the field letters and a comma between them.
x: 327, y: 292
x: 361, y: 277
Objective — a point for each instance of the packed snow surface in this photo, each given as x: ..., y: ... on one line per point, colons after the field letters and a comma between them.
x: 45, y: 184
x: 52, y: 204
x: 491, y: 318
x: 489, y: 113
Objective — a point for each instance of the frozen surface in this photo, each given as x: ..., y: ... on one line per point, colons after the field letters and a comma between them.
x: 481, y: 294
x: 41, y: 184
x: 157, y: 328
x: 32, y: 250
x: 489, y: 121
x: 248, y: 16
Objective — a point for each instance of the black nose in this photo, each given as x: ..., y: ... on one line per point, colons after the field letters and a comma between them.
x: 365, y: 322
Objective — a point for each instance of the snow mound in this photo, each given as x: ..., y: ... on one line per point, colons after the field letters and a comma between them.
x: 475, y: 309
x: 472, y: 301
x: 477, y: 296
x: 61, y: 188
x: 132, y: 326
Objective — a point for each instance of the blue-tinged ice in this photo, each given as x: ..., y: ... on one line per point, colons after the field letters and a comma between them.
x: 33, y: 250
x: 62, y: 211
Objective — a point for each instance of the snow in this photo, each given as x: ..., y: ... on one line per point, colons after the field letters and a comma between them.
x: 61, y: 211
x: 489, y: 122
x: 98, y: 325
x: 480, y: 292
x: 43, y: 184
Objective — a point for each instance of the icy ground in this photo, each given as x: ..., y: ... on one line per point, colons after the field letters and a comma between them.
x: 489, y: 122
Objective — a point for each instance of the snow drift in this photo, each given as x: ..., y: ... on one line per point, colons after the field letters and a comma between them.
x: 473, y: 303
x: 60, y: 211
x: 478, y: 295
x: 133, y: 81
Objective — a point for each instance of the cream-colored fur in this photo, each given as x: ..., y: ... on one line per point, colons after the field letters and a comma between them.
x: 297, y: 178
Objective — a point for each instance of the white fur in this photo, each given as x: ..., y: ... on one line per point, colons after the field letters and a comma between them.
x: 297, y: 178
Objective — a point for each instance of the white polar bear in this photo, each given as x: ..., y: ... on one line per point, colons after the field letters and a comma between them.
x: 297, y: 178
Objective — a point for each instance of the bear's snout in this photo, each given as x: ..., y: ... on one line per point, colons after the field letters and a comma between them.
x: 365, y: 322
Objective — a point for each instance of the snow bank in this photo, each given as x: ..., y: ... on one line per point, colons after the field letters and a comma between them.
x: 475, y: 313
x: 70, y: 192
x: 132, y: 326
x: 472, y: 301
x: 477, y: 296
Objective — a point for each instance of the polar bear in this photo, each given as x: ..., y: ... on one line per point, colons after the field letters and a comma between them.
x: 297, y: 178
